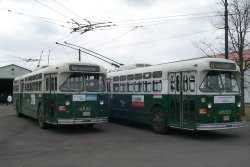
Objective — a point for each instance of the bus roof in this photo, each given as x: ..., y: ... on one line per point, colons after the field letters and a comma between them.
x: 197, y: 64
x: 66, y: 67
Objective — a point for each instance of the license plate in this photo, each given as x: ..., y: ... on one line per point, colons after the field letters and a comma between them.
x: 226, y: 117
x: 85, y: 114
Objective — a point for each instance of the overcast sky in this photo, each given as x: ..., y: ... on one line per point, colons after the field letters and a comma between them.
x: 142, y: 31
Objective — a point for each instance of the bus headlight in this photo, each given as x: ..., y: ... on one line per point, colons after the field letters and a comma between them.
x: 101, y: 102
x: 67, y: 103
x: 209, y: 105
x: 239, y: 104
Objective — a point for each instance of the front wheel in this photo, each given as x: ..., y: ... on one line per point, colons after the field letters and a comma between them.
x: 157, y: 120
x: 41, y: 118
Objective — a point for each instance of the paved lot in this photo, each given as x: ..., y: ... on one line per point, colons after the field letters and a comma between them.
x: 24, y: 144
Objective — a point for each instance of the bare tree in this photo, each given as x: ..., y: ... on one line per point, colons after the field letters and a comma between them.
x: 239, y: 29
x: 239, y: 26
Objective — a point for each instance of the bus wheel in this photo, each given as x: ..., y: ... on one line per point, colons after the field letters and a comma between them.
x: 41, y: 119
x: 157, y: 120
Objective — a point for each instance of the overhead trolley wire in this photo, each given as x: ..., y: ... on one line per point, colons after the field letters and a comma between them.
x: 164, y: 21
x: 52, y: 9
x: 45, y: 19
x: 123, y: 34
x: 159, y: 39
x: 71, y: 11
x: 161, y: 17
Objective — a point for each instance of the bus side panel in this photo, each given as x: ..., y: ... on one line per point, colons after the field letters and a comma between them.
x: 120, y: 106
x: 140, y: 108
x: 137, y: 107
x: 29, y: 103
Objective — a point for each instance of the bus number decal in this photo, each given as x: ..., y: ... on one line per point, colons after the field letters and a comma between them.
x: 91, y: 97
x: 138, y: 101
x: 33, y: 100
x: 79, y: 98
x: 224, y: 99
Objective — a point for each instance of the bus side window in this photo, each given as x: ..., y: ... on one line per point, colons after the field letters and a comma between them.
x: 138, y: 86
x: 55, y: 83
x: 147, y: 85
x: 108, y: 86
x: 130, y: 87
x: 52, y: 83
x: 178, y: 83
x: 185, y: 83
x: 172, y: 83
x: 122, y: 87
x: 157, y: 86
x: 192, y: 83
x: 37, y: 89
x: 40, y: 85
x: 116, y: 87
x: 47, y: 84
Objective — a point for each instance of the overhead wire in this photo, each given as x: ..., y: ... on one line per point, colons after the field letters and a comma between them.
x: 44, y: 19
x: 171, y: 16
x: 139, y: 23
x: 52, y: 9
x: 159, y: 39
x: 71, y: 11
x: 111, y: 40
x: 165, y: 21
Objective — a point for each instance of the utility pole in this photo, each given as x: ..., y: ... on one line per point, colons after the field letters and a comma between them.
x: 226, y: 30
x: 79, y: 55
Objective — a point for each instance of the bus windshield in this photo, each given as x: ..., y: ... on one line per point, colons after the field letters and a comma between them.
x: 89, y: 82
x: 222, y: 81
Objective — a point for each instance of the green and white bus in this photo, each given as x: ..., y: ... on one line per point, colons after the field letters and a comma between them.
x: 195, y: 94
x: 67, y: 93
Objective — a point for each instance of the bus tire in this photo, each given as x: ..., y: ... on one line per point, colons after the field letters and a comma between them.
x: 157, y: 120
x: 41, y: 118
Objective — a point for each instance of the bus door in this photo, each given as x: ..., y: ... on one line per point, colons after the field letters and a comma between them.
x: 182, y: 103
x: 175, y: 80
x: 188, y: 99
x: 50, y: 89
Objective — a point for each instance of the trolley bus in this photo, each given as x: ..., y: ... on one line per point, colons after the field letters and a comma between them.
x: 67, y: 93
x: 194, y: 94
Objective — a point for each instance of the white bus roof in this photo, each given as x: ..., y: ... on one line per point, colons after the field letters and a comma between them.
x: 197, y: 64
x: 62, y: 67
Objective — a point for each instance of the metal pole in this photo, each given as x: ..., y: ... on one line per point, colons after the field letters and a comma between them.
x: 226, y: 30
x: 79, y: 55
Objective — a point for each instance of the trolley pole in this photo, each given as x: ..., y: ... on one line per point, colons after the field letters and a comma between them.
x: 226, y: 30
x: 79, y: 55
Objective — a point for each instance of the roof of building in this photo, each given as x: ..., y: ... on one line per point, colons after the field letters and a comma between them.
x: 11, y: 71
x: 16, y: 66
x: 235, y: 56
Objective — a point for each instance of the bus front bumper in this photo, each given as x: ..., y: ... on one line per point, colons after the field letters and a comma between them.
x: 82, y: 121
x: 220, y: 126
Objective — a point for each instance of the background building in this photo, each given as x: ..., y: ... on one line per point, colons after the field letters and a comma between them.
x: 7, y: 75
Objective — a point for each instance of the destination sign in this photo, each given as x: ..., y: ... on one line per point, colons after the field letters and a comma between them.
x: 220, y: 65
x: 85, y: 68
